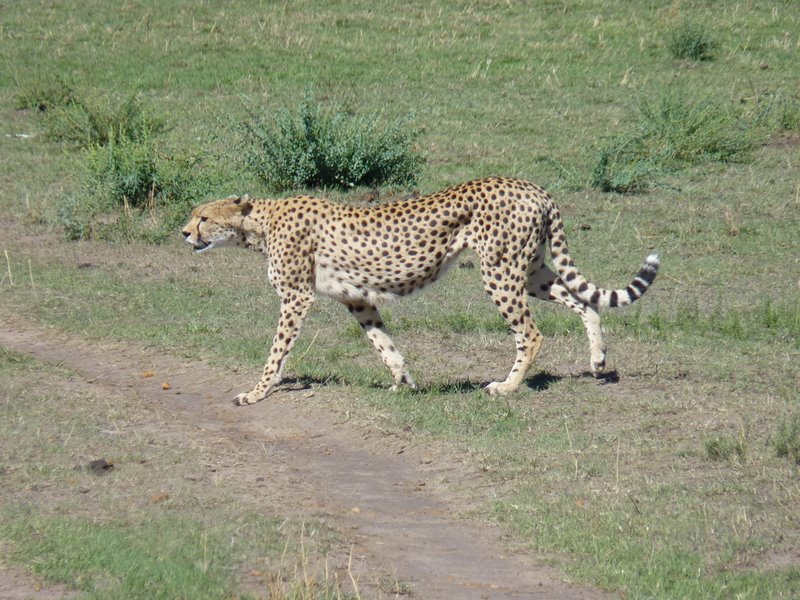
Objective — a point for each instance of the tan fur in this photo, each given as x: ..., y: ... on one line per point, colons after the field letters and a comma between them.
x: 364, y: 257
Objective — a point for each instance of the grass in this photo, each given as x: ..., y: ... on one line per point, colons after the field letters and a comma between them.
x: 681, y: 480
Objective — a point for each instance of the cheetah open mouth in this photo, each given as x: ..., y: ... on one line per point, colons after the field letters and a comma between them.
x: 201, y: 246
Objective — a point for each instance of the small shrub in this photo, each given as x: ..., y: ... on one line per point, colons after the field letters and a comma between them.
x: 316, y: 147
x: 691, y: 41
x: 132, y: 191
x: 787, y: 439
x: 124, y: 170
x: 86, y: 123
x: 45, y: 94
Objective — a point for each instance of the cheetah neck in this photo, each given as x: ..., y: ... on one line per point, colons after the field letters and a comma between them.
x: 254, y: 228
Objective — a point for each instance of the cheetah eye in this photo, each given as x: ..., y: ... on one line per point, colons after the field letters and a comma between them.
x: 203, y: 219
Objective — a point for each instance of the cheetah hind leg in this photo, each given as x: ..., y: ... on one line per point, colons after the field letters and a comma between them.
x: 370, y: 320
x: 513, y: 306
x: 546, y: 285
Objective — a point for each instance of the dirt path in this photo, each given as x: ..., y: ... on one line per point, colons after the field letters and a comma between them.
x: 380, y: 491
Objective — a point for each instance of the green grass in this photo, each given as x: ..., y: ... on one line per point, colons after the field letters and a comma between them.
x: 162, y: 558
x: 681, y: 480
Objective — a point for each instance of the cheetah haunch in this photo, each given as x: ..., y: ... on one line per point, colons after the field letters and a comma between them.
x: 363, y: 257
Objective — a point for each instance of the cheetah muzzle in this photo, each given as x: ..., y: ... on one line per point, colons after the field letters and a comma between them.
x: 364, y: 257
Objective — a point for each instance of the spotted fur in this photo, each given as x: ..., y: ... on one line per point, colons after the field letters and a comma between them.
x: 364, y: 257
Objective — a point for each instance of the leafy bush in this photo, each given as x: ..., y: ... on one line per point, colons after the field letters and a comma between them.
x: 316, y: 147
x: 132, y: 191
x: 691, y: 41
x: 96, y: 122
x: 671, y: 135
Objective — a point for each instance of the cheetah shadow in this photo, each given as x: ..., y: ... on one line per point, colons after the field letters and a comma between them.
x: 537, y: 383
x: 307, y: 382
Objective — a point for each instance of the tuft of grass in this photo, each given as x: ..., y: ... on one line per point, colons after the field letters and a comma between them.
x: 786, y: 441
x: 767, y: 321
x: 98, y: 122
x: 45, y: 94
x: 672, y: 134
x: 323, y: 147
x: 691, y: 41
x: 725, y: 447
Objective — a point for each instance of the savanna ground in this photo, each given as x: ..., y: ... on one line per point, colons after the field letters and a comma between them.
x: 678, y: 481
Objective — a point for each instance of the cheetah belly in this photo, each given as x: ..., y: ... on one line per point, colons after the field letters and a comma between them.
x: 346, y: 287
x: 378, y: 284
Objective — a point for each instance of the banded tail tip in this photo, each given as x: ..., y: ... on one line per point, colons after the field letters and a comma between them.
x: 649, y: 268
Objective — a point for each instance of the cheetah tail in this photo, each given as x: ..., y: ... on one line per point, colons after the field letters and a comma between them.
x: 585, y: 290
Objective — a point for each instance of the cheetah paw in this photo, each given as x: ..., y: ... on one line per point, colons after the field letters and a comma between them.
x: 500, y: 388
x: 247, y: 399
x: 405, y: 382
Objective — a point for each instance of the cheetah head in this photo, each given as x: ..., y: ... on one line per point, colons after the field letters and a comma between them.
x: 217, y: 223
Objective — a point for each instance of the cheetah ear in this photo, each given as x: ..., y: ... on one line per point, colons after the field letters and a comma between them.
x: 244, y: 204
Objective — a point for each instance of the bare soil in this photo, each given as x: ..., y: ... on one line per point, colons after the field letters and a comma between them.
x: 387, y: 496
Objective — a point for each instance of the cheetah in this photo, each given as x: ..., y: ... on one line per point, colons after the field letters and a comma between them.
x: 366, y: 256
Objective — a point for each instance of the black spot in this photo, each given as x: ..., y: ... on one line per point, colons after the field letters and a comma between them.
x: 612, y: 299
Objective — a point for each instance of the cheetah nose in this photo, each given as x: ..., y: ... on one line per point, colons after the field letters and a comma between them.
x: 186, y: 233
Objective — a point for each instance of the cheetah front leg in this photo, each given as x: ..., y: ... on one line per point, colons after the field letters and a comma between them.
x: 294, y: 309
x: 370, y: 320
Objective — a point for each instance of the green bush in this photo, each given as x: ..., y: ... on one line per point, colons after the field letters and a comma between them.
x: 318, y: 147
x: 691, y: 41
x: 129, y: 187
x: 131, y: 190
x: 671, y: 134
